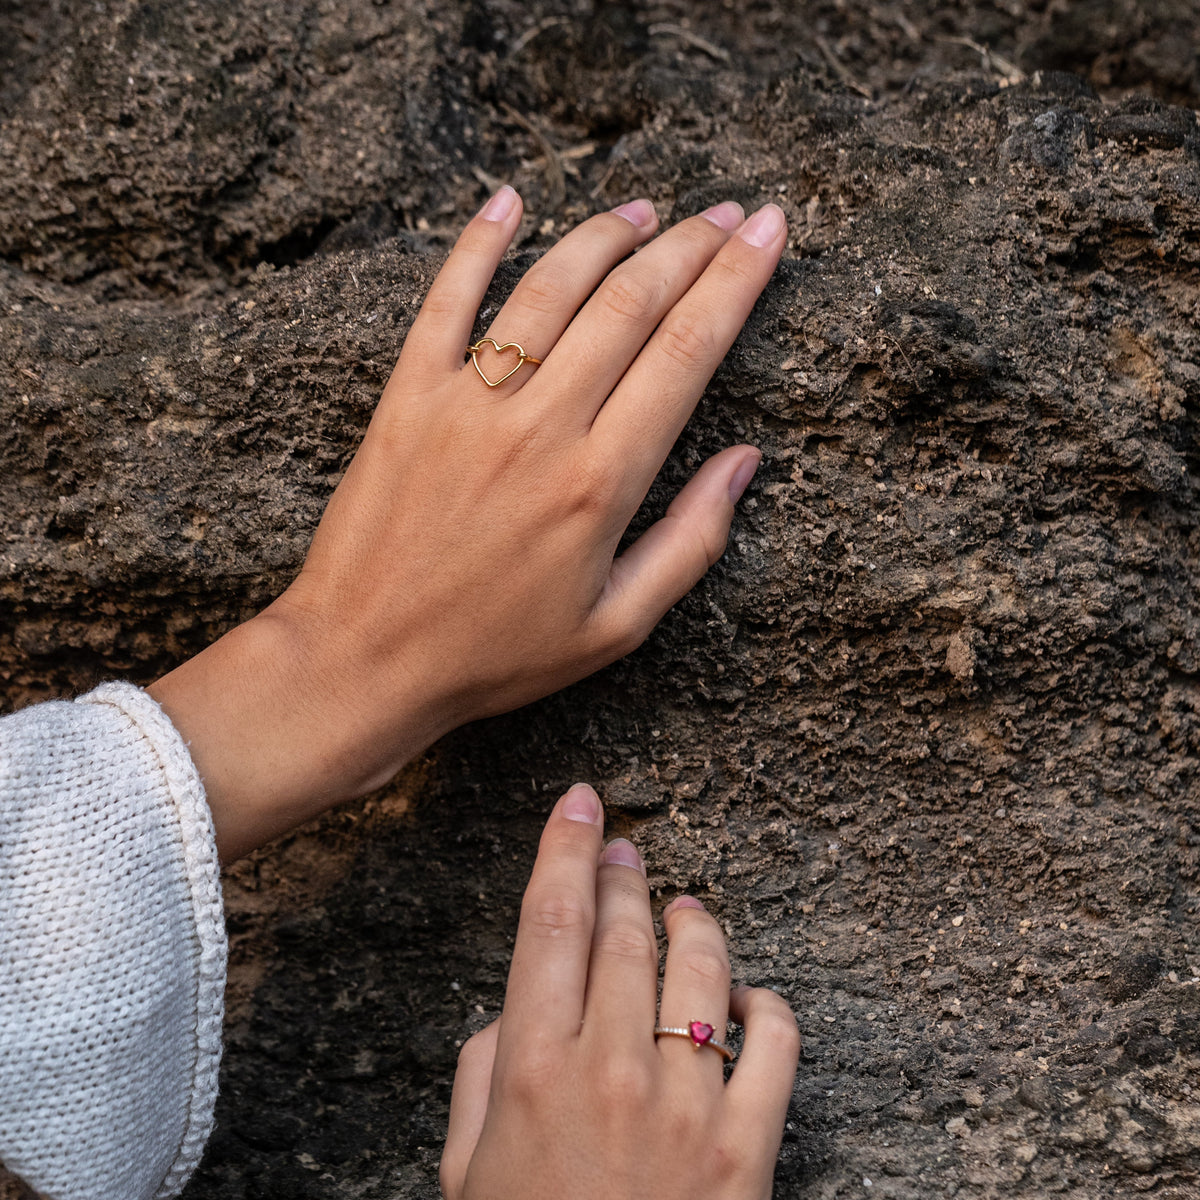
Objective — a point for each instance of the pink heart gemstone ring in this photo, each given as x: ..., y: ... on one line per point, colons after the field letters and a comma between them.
x: 699, y: 1033
x: 500, y: 349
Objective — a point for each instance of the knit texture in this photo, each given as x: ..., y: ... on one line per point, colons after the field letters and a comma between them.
x: 112, y: 950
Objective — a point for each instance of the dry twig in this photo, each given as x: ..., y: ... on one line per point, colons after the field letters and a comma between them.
x: 840, y: 69
x: 990, y: 61
x: 489, y: 181
x: 670, y: 29
x: 556, y: 182
x: 532, y: 32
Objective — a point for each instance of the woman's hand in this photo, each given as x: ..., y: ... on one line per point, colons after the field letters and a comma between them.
x: 569, y: 1094
x: 465, y: 564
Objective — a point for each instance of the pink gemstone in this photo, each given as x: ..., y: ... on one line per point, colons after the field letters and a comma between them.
x: 700, y: 1032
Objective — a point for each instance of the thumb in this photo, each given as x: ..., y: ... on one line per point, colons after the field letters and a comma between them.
x: 670, y: 558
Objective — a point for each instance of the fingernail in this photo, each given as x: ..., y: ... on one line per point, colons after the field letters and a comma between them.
x: 500, y: 205
x: 637, y: 212
x: 764, y: 227
x: 727, y: 216
x: 741, y: 478
x: 620, y: 853
x: 581, y: 804
x: 682, y: 902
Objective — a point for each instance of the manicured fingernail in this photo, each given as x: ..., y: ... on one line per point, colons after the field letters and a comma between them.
x: 741, y: 478
x: 682, y: 902
x: 620, y: 853
x: 500, y: 205
x: 581, y: 804
x: 637, y: 212
x: 764, y: 227
x: 727, y: 216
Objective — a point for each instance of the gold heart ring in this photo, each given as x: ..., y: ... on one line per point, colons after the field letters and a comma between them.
x: 522, y: 359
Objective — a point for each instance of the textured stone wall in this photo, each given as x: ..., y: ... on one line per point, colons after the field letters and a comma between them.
x: 926, y: 739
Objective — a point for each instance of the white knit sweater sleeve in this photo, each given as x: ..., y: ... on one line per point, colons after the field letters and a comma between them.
x: 112, y: 950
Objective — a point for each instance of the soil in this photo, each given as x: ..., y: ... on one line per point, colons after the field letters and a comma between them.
x: 926, y: 739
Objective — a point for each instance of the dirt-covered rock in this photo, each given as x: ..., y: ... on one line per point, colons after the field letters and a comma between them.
x: 926, y: 739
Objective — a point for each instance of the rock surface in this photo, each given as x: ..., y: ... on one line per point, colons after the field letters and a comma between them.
x: 927, y: 738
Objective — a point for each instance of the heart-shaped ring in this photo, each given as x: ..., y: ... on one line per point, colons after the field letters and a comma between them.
x: 522, y: 358
x: 699, y: 1033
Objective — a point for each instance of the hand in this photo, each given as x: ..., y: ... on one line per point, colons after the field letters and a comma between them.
x: 465, y: 564
x: 568, y: 1094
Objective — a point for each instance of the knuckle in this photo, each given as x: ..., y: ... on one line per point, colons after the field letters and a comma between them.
x: 702, y: 238
x: 592, y: 483
x: 624, y: 1084
x: 708, y: 967
x: 532, y: 1078
x: 442, y: 303
x: 615, y: 634
x: 522, y: 436
x: 712, y: 545
x: 683, y: 1122
x: 688, y: 1119
x: 629, y: 297
x: 706, y: 543
x: 689, y: 1123
x: 726, y: 1160
x: 780, y: 1030
x: 740, y: 270
x: 688, y: 344
x: 478, y: 239
x: 596, y: 484
x: 625, y: 638
x: 556, y: 914
x: 628, y: 943
x: 546, y: 289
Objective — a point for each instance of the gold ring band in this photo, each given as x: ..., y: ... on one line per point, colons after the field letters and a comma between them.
x: 522, y: 358
x: 699, y: 1033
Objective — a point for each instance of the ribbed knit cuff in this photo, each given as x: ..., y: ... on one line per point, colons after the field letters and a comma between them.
x: 202, y: 870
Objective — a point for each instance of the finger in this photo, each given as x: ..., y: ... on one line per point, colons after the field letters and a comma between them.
x: 598, y: 346
x: 468, y: 1107
x: 762, y: 1081
x: 695, y: 984
x: 548, y: 977
x: 554, y: 288
x: 644, y: 416
x: 623, y: 971
x: 674, y: 553
x: 440, y: 334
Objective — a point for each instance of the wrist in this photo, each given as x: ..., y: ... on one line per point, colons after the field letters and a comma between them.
x: 281, y: 729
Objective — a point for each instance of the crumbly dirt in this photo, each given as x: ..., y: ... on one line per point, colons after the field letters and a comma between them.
x: 926, y: 739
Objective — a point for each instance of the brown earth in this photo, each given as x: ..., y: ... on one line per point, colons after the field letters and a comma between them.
x: 926, y: 739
